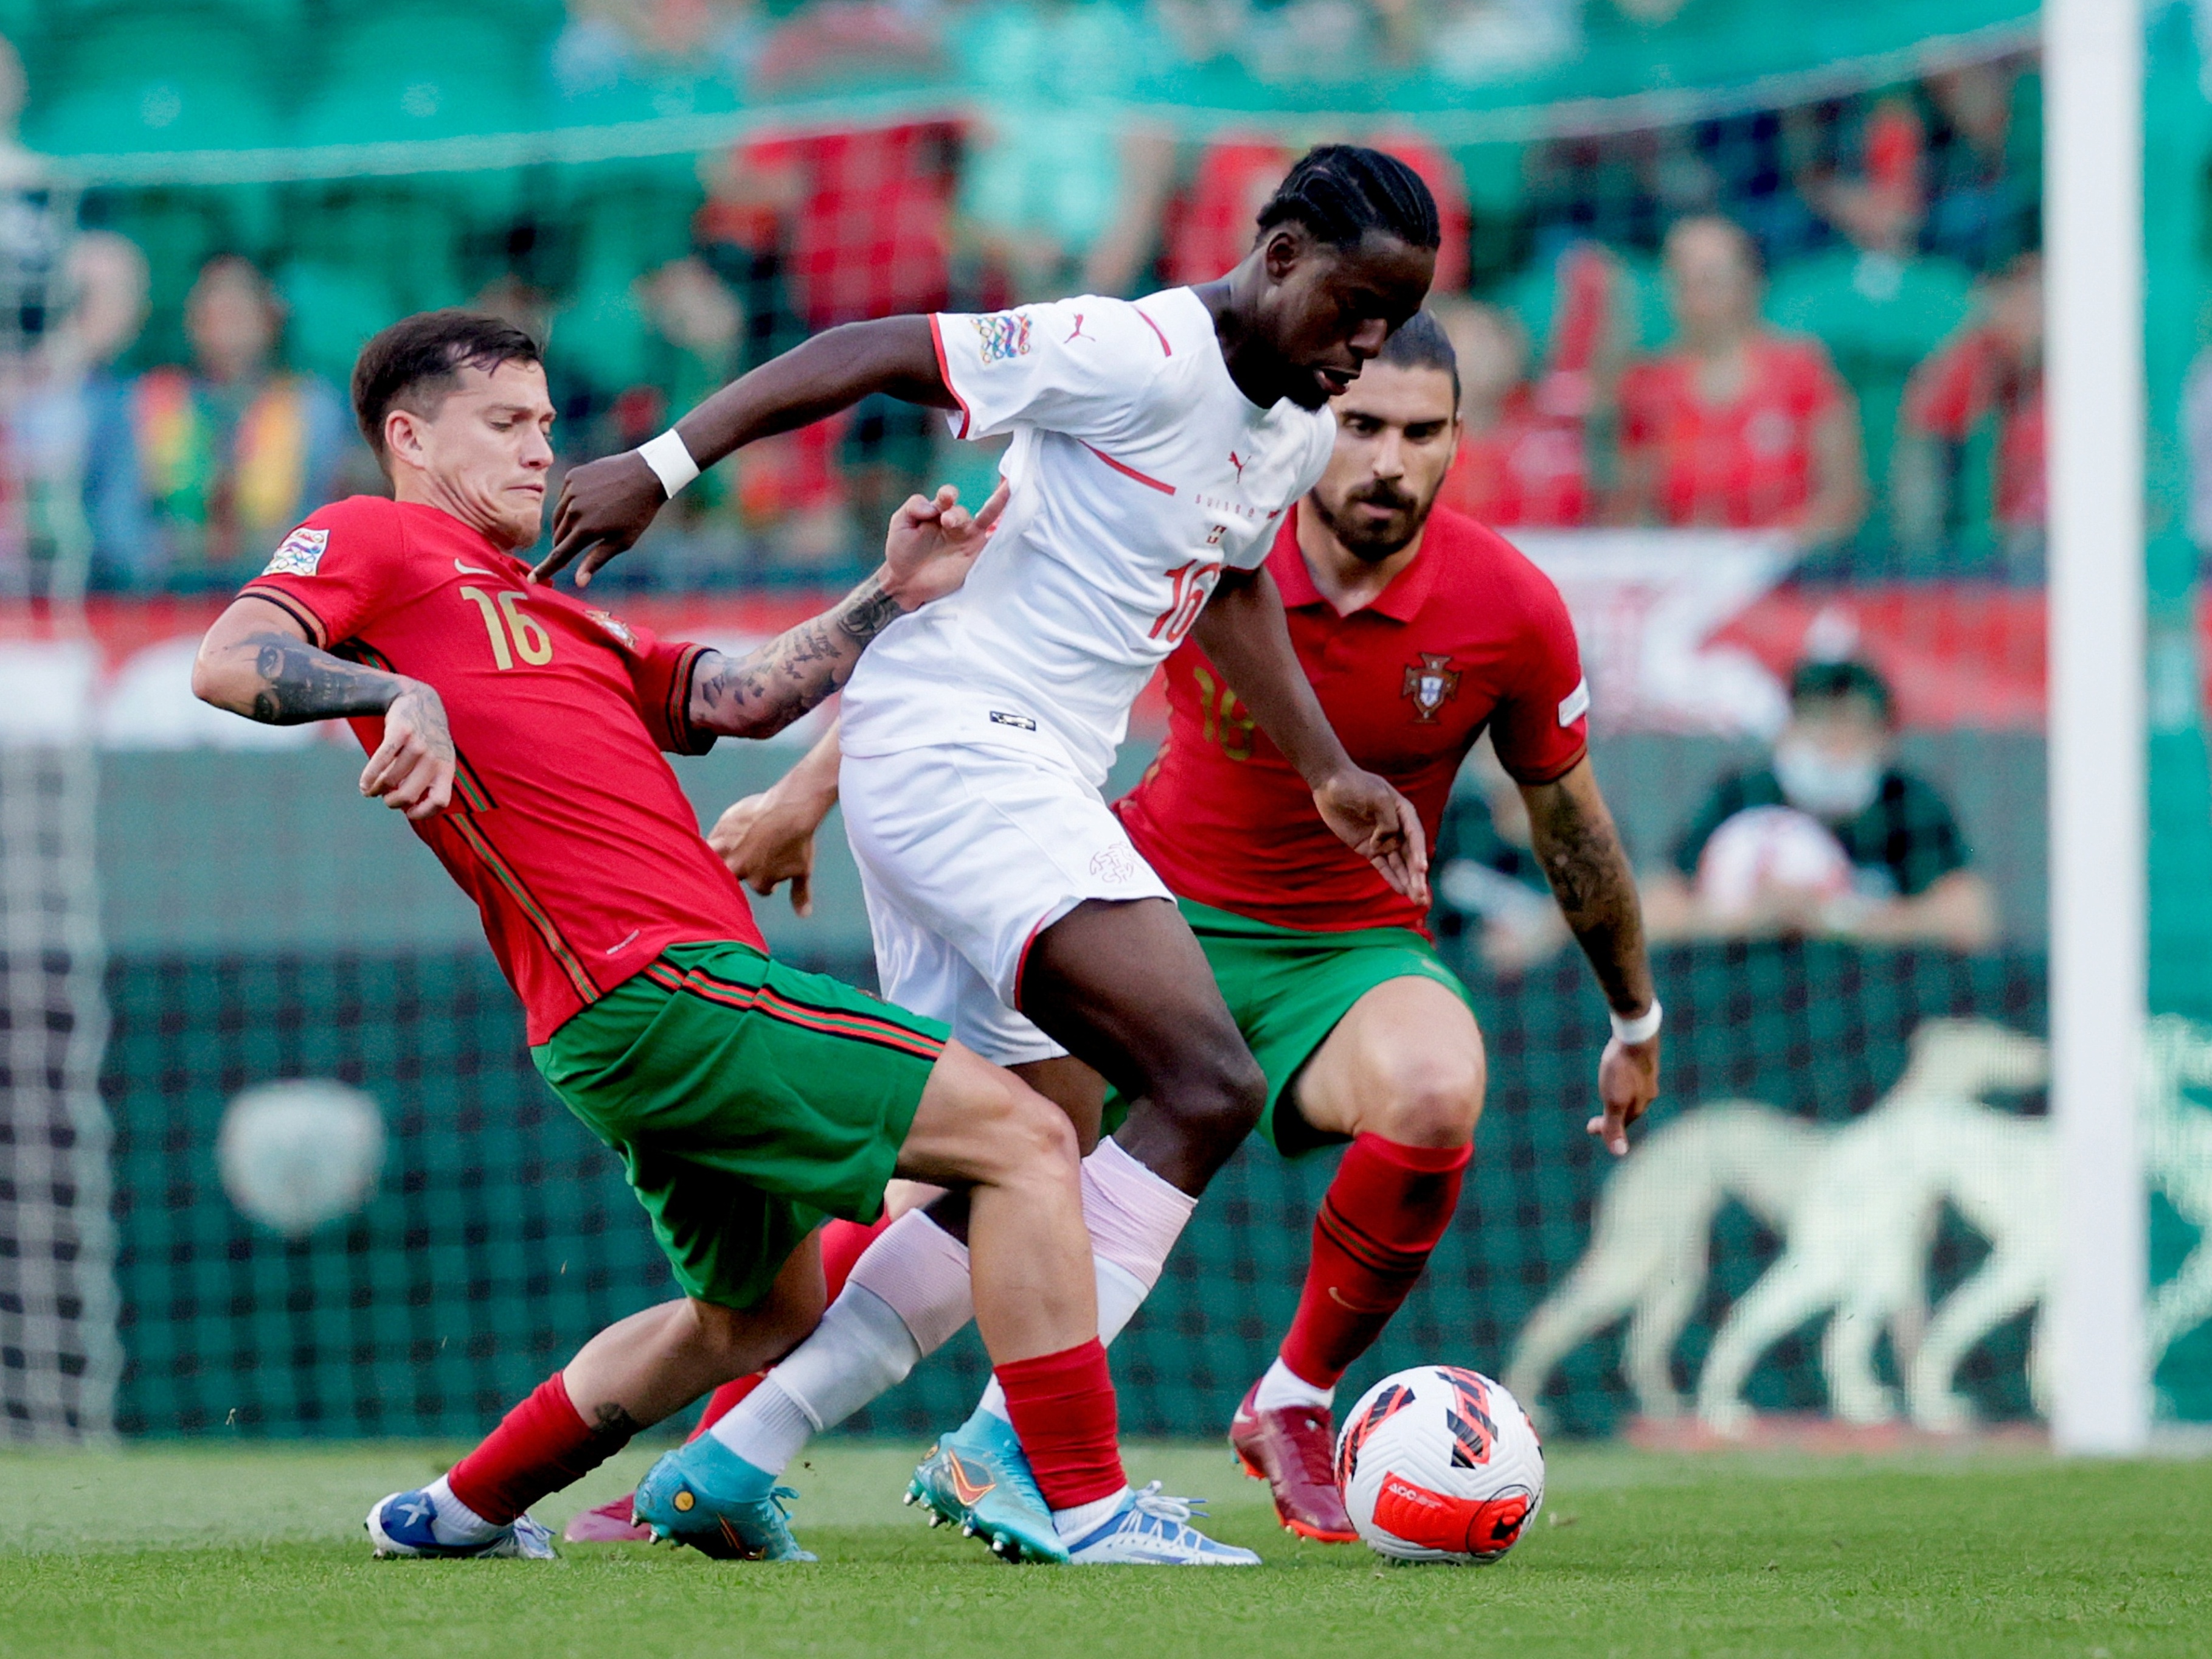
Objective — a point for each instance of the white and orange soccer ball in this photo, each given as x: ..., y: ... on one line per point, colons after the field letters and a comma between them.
x: 1440, y: 1463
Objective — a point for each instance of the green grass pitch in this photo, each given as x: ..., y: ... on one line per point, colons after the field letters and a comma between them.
x: 261, y: 1552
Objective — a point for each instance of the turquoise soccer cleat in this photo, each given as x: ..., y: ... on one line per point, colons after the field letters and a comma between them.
x: 977, y: 1479
x: 703, y: 1494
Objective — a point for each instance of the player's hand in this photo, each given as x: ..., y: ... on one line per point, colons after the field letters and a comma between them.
x: 934, y: 542
x: 1627, y: 1084
x: 767, y: 840
x: 605, y: 506
x: 1381, y: 826
x: 412, y: 769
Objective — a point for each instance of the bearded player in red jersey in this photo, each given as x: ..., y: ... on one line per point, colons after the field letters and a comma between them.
x: 1419, y: 628
x: 520, y: 732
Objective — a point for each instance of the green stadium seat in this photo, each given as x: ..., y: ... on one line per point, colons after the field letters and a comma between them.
x: 332, y: 310
x: 422, y: 74
x: 163, y: 78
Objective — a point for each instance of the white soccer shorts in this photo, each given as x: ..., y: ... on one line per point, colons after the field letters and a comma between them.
x: 966, y: 854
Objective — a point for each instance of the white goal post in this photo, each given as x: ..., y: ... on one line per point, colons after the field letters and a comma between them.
x: 2093, y: 237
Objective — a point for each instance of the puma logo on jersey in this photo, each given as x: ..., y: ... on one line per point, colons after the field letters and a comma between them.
x: 1078, y: 334
x: 1238, y: 465
x: 616, y: 950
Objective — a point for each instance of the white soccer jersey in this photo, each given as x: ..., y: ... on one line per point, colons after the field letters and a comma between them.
x: 1138, y: 471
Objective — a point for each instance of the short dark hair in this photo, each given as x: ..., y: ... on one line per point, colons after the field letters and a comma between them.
x: 1822, y: 680
x: 1341, y: 191
x: 1420, y: 342
x: 414, y: 363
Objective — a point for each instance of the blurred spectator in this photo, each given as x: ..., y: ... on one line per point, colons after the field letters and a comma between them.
x: 1052, y: 198
x: 70, y: 432
x: 607, y: 43
x: 1480, y: 42
x: 1985, y: 161
x: 1830, y: 838
x: 1990, y: 373
x: 1488, y: 880
x: 1739, y: 426
x: 1877, y: 304
x: 1213, y: 224
x: 841, y: 227
x: 233, y: 450
x: 1520, y: 461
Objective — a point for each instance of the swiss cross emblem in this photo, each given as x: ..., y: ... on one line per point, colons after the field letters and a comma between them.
x: 1430, y: 683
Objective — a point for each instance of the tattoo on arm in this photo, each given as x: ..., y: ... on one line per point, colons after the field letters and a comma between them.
x: 614, y: 1422
x: 1589, y: 870
x: 300, y: 683
x: 772, y: 686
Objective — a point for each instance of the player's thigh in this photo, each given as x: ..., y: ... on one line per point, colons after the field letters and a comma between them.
x: 1405, y: 1062
x: 979, y: 1123
x: 1124, y: 986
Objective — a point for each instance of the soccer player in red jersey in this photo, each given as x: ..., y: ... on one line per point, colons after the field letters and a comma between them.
x: 520, y: 731
x: 1419, y: 630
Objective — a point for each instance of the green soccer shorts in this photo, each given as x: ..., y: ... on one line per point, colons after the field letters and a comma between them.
x: 749, y: 1100
x: 1287, y: 988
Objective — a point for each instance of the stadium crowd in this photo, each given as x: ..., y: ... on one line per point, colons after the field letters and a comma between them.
x: 1823, y: 321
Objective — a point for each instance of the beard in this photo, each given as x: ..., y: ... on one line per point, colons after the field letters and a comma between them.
x: 1371, y: 539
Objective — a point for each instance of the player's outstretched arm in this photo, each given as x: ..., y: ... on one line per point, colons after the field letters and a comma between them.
x: 1243, y: 628
x: 931, y: 546
x: 1579, y: 847
x: 258, y: 661
x: 768, y: 839
x: 607, y: 504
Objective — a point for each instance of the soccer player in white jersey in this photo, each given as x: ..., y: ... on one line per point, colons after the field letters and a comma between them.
x: 1156, y: 445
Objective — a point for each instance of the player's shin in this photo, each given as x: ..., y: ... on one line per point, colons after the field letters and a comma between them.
x: 908, y: 1294
x: 1383, y: 1214
x: 1133, y: 1218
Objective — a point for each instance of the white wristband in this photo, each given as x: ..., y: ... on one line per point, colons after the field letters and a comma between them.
x: 1641, y: 1029
x: 671, y: 462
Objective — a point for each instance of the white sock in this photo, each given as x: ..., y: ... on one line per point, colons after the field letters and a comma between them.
x: 767, y: 1427
x: 453, y: 1521
x: 1283, y: 1387
x: 1121, y: 1293
x: 906, y: 1295
x: 1073, y: 1523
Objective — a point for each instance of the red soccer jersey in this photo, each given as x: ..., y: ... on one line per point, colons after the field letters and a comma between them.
x: 1745, y: 465
x: 1469, y: 635
x: 568, y: 828
x: 1530, y: 469
x: 1963, y: 383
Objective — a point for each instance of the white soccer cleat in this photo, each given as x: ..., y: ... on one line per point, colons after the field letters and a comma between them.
x: 1151, y: 1529
x: 401, y: 1526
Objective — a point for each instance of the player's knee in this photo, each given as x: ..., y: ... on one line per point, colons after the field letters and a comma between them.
x: 1040, y: 1139
x: 1218, y: 1089
x: 1428, y: 1099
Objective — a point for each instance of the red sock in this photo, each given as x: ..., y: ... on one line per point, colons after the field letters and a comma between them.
x: 1062, y: 1407
x: 1382, y: 1216
x: 541, y: 1446
x: 842, y: 1242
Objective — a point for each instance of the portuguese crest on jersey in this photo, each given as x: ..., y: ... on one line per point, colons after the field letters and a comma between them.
x: 1004, y: 334
x: 1430, y: 683
x: 615, y: 625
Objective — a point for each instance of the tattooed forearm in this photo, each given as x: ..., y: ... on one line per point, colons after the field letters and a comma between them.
x: 295, y: 682
x: 1581, y: 852
x: 762, y: 694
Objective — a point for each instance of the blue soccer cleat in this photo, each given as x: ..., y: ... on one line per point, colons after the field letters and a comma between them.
x: 703, y: 1494
x: 977, y: 1479
x: 401, y: 1527
x: 1153, y: 1530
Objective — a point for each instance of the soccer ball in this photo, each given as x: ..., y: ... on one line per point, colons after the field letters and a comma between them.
x: 1764, y: 853
x: 1440, y: 1464
x: 294, y: 1154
